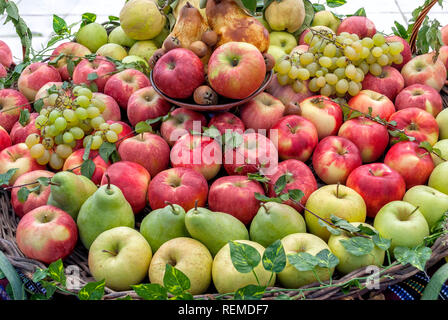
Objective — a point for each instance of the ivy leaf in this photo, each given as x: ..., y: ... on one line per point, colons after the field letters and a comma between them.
x: 330, y: 229
x: 59, y: 25
x: 343, y: 224
x: 274, y: 257
x: 326, y: 259
x: 70, y: 67
x: 92, y: 291
x: 106, y: 150
x: 358, y: 246
x: 244, y: 257
x: 5, y: 177
x: 175, y: 281
x: 336, y: 3
x: 212, y: 132
x: 303, y: 261
x: 22, y: 194
x: 113, y: 18
x: 250, y: 292
x: 151, y: 291
x: 88, y: 168
x: 56, y: 272
x: 353, y: 283
x: 380, y: 242
x: 416, y: 257
x: 40, y: 274
x: 88, y: 18
x: 24, y: 117
x: 361, y: 12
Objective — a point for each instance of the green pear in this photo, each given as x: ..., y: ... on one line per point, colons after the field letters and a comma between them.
x: 69, y: 191
x: 275, y: 221
x: 214, y: 229
x: 107, y: 208
x: 164, y: 224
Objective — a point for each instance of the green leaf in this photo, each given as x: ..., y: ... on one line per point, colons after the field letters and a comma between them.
x: 250, y: 292
x: 318, y: 7
x: 380, y: 242
x: 283, y: 297
x: 22, y: 194
x: 59, y: 25
x: 183, y: 296
x: 330, y: 229
x: 88, y: 168
x: 274, y: 257
x: 353, y: 283
x: 86, y: 153
x: 114, y: 18
x: 361, y: 12
x: 92, y: 76
x: 70, y: 67
x: 5, y: 177
x: 416, y: 257
x: 38, y: 104
x: 358, y: 246
x: 56, y: 272
x: 43, y: 181
x: 257, y: 177
x: 249, y: 6
x: 400, y: 30
x: 303, y: 261
x: 88, y: 18
x: 151, y: 291
x: 106, y: 150
x: 343, y: 224
x: 432, y: 290
x: 281, y: 183
x: 212, y: 132
x: 309, y: 16
x: 142, y: 126
x: 175, y: 281
x: 24, y: 117
x: 263, y: 198
x: 367, y: 231
x: 18, y: 291
x: 244, y: 257
x: 40, y: 274
x: 296, y: 195
x: 326, y: 259
x: 233, y: 140
x: 336, y: 3
x: 92, y: 291
x: 50, y: 289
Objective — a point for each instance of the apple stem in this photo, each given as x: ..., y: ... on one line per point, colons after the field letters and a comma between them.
x: 110, y: 252
x: 371, y: 172
x: 337, y: 190
x: 415, y: 210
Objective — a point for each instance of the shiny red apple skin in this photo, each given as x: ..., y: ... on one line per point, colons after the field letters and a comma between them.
x: 422, y: 69
x: 69, y: 49
x: 262, y: 112
x: 5, y: 55
x: 182, y: 186
x: 34, y: 76
x: 11, y: 103
x: 146, y: 104
x: 380, y: 105
x: 227, y: 121
x: 19, y: 133
x: 180, y: 122
x: 390, y: 82
x: 378, y: 185
x: 235, y: 195
x: 101, y: 66
x: 75, y: 161
x: 420, y: 96
x: 112, y: 111
x: 5, y: 139
x: 361, y: 26
x: 406, y: 53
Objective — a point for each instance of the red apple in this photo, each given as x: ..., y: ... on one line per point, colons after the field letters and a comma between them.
x: 390, y: 82
x: 413, y: 163
x: 369, y: 136
x: 44, y: 95
x: 133, y: 181
x: 5, y: 55
x: 200, y: 153
x: 253, y: 152
x: 75, y: 161
x: 288, y: 96
x: 443, y: 56
x: 182, y: 186
x: 5, y: 139
x: 380, y: 105
x: 17, y: 156
x: 71, y: 49
x: 359, y: 25
x: 102, y: 67
x: 235, y: 195
x: 180, y: 122
x: 420, y: 96
x: 299, y: 49
x: 47, y: 234
x: 416, y: 123
x: 444, y: 32
x: 423, y: 70
x: 20, y: 132
x: 378, y: 185
x: 178, y: 73
x: 148, y: 150
x: 227, y: 122
x: 325, y: 114
x: 262, y: 112
x: 335, y: 158
x: 36, y: 198
x: 406, y: 53
x: 236, y: 70
x: 296, y: 138
x: 112, y: 110
x: 298, y: 176
x: 123, y: 84
x: 11, y: 103
x: 34, y: 76
x: 146, y: 104
x: 3, y: 72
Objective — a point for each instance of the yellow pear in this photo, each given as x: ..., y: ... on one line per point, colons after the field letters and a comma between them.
x: 181, y: 3
x: 285, y: 15
x: 142, y: 19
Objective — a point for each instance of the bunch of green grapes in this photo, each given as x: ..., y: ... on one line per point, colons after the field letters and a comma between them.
x: 336, y: 65
x: 105, y: 132
x: 64, y: 122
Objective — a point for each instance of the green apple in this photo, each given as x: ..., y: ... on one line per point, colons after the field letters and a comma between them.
x: 442, y: 145
x: 349, y: 262
x: 439, y: 178
x: 121, y: 256
x: 187, y: 255
x: 92, y: 36
x: 143, y: 49
x: 402, y: 223
x: 276, y: 52
x: 290, y: 277
x: 227, y: 279
x: 132, y: 59
x: 442, y: 121
x: 118, y: 36
x: 326, y: 18
x: 112, y: 50
x: 283, y: 39
x: 337, y: 200
x: 142, y: 19
x: 431, y: 202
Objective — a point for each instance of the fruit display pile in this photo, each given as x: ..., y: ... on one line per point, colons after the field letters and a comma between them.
x: 339, y: 163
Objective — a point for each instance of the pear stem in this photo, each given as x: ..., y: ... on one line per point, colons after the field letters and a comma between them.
x: 173, y: 208
x: 265, y: 208
x: 196, y: 205
x: 108, y: 181
x: 337, y: 190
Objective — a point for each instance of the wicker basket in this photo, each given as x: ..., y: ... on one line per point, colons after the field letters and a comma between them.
x: 395, y: 274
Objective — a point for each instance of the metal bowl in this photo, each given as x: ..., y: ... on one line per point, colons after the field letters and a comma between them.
x: 225, y: 103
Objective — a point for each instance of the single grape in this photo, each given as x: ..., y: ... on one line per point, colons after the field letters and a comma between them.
x: 112, y: 137
x: 321, y: 82
x: 342, y: 86
x: 364, y: 66
x: 69, y: 115
x: 397, y: 59
x: 60, y: 124
x: 312, y: 68
x: 354, y: 36
x: 86, y: 127
x: 308, y: 37
x: 303, y: 74
x: 58, y: 139
x: 353, y: 88
x: 367, y: 42
x: 63, y: 151
x: 365, y: 52
x: 68, y: 137
x: 340, y: 73
x: 370, y: 59
x: 116, y: 127
x: 325, y: 62
x: 306, y: 58
x: 376, y: 69
x: 37, y: 150
x: 350, y: 71
x: 359, y: 75
x: 56, y: 162
x: 283, y: 66
x: 44, y: 159
x: 330, y: 50
x: 351, y: 53
x: 76, y: 90
x: 97, y: 141
x: 386, y: 48
x: 383, y: 60
x: 52, y: 99
x: 342, y: 62
x: 41, y: 121
x: 81, y: 113
x: 377, y: 52
x: 99, y: 104
x: 282, y: 79
x: 82, y: 101
x: 104, y: 126
x: 77, y: 133
x: 331, y: 78
x: 378, y: 39
x: 293, y: 72
x: 85, y: 92
x: 357, y: 45
x: 32, y: 139
x: 48, y: 143
x: 52, y: 131
x: 93, y: 112
x: 312, y: 85
x: 327, y: 90
x: 319, y: 73
x: 395, y: 47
